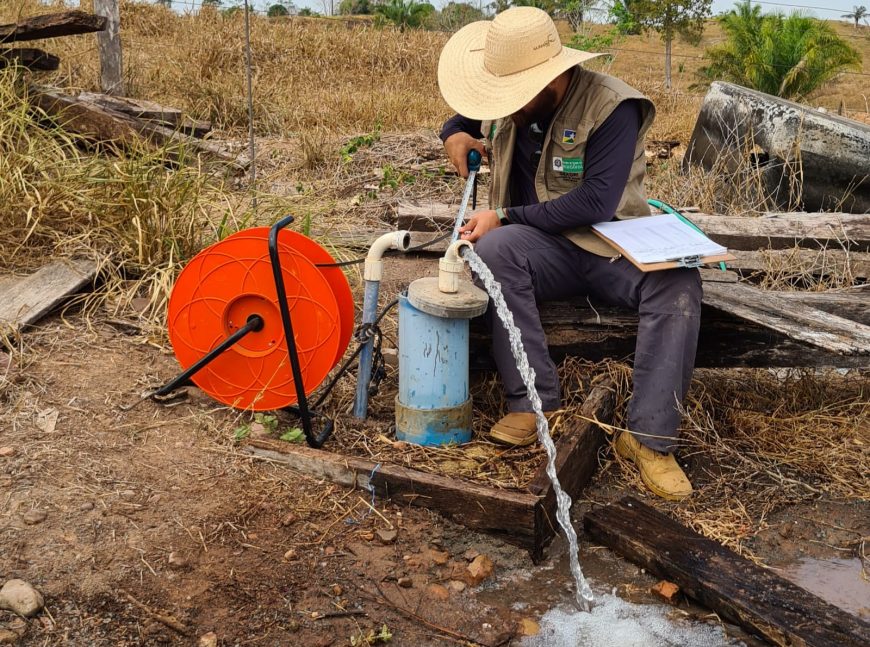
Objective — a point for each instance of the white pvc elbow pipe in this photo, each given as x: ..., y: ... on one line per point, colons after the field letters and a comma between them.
x: 450, y: 267
x: 374, y: 265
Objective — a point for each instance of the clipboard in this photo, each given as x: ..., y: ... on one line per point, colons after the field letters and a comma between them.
x: 662, y: 242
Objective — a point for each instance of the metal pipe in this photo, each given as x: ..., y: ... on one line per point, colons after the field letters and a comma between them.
x: 374, y: 268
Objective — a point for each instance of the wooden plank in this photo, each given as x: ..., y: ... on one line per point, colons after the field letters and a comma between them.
x: 109, y: 43
x: 772, y: 231
x: 794, y: 262
x: 107, y: 126
x: 150, y: 111
x: 25, y: 300
x: 576, y: 463
x: 52, y: 25
x: 794, y: 319
x: 507, y: 514
x: 745, y: 593
x: 29, y: 57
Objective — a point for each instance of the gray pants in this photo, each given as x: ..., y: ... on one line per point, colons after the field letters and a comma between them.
x: 533, y: 266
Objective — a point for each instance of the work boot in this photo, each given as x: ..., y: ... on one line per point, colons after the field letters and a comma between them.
x: 659, y: 472
x: 519, y: 428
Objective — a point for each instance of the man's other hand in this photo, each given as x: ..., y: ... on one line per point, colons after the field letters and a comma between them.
x: 457, y: 146
x: 479, y: 223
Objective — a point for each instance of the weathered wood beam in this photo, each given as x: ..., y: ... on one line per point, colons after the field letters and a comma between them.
x: 52, y: 25
x: 834, y: 231
x: 507, y: 514
x: 109, y: 43
x: 745, y: 593
x: 576, y: 462
x: 790, y: 317
x: 25, y: 300
x: 150, y: 111
x: 100, y: 124
x: 29, y: 57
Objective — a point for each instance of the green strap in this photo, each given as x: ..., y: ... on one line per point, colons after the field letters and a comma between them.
x: 664, y: 206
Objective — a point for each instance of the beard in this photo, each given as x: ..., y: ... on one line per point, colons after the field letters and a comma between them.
x: 538, y: 110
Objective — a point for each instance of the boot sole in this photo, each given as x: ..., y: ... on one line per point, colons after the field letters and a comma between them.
x: 514, y: 441
x: 623, y: 449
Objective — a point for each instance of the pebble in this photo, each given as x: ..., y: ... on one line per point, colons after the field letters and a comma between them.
x: 405, y: 582
x: 8, y: 637
x: 33, y: 517
x: 289, y: 519
x: 438, y: 592
x: 439, y: 557
x: 529, y: 627
x: 479, y: 569
x: 6, y: 452
x: 456, y: 586
x: 470, y: 554
x: 337, y: 590
x: 208, y: 640
x: 387, y: 536
x: 19, y: 597
x: 176, y: 561
x: 290, y: 555
x: 87, y: 505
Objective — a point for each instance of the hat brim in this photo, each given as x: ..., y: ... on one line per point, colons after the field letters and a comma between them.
x: 472, y: 91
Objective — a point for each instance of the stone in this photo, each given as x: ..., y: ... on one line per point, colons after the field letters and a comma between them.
x: 289, y: 519
x: 290, y: 555
x: 208, y: 640
x: 33, y: 517
x: 529, y: 627
x: 87, y: 505
x: 405, y: 582
x: 386, y: 536
x: 480, y: 568
x: 177, y: 562
x: 456, y: 586
x: 8, y: 637
x: 20, y: 597
x: 337, y: 590
x: 470, y: 554
x: 666, y: 591
x: 438, y: 592
x: 438, y: 557
x: 7, y: 452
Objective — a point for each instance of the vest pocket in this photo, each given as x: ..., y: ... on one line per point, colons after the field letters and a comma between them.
x: 565, y: 160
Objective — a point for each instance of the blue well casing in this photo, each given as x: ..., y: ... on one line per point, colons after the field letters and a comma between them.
x: 433, y: 406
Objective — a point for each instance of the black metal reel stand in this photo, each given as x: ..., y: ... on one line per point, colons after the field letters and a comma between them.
x: 254, y: 324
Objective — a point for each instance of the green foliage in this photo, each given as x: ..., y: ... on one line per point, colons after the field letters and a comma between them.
x: 361, y: 141
x: 671, y: 18
x: 595, y: 43
x: 268, y: 421
x: 405, y: 13
x: 307, y: 11
x: 626, y: 23
x: 858, y: 14
x: 455, y: 15
x: 394, y: 178
x: 371, y: 638
x: 576, y: 12
x: 355, y: 8
x: 277, y: 10
x: 293, y: 435
x: 788, y: 57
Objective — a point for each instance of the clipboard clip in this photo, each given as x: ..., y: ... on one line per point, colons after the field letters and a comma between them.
x: 690, y: 261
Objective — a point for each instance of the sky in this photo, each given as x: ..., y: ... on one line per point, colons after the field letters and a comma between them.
x: 830, y: 9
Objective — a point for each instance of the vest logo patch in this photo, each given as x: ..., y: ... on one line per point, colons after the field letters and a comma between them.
x: 569, y: 136
x: 568, y: 164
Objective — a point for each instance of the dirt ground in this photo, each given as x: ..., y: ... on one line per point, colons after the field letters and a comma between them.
x: 153, y: 527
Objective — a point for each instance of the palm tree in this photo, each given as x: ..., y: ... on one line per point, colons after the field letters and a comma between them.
x: 789, y: 57
x: 858, y: 15
x: 405, y: 14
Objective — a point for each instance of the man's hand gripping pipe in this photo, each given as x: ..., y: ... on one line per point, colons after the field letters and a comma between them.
x: 470, y: 188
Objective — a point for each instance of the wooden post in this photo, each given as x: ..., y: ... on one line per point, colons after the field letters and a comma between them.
x: 109, y: 41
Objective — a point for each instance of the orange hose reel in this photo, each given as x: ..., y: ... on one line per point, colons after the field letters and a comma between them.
x: 227, y: 284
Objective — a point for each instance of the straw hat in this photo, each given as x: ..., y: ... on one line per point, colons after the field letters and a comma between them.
x: 491, y: 69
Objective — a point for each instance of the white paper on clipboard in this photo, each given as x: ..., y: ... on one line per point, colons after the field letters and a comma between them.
x: 658, y: 239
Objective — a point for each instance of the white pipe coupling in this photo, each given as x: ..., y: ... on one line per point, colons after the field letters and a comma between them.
x: 374, y: 265
x: 450, y: 267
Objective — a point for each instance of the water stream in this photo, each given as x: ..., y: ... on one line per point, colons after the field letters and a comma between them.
x: 583, y: 593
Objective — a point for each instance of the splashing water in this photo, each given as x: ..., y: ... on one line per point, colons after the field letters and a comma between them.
x: 584, y: 592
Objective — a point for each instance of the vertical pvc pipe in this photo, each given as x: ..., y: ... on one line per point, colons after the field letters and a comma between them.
x: 370, y: 311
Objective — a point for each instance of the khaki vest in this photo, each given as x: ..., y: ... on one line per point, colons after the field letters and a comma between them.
x: 590, y: 99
